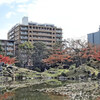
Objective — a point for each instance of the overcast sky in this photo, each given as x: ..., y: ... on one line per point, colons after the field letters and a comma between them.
x: 77, y: 18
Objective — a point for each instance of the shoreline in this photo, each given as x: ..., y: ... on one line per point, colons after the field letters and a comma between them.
x: 80, y: 91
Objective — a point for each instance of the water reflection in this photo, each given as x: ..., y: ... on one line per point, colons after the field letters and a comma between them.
x: 56, y: 97
x: 29, y: 94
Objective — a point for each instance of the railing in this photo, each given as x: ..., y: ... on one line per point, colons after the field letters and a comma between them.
x: 24, y: 37
x: 23, y: 41
x: 59, y: 31
x: 11, y: 44
x: 24, y: 28
x: 24, y: 33
x: 58, y: 35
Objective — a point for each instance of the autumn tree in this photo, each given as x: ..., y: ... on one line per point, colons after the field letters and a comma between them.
x: 59, y: 55
x: 57, y: 58
x: 77, y: 50
x: 7, y: 60
x: 96, y: 52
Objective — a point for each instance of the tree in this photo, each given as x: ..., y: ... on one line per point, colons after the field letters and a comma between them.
x: 77, y: 50
x: 25, y: 52
x: 7, y: 60
x: 1, y: 49
x: 59, y: 55
x: 96, y: 52
x: 58, y: 58
x: 40, y: 52
x: 92, y: 52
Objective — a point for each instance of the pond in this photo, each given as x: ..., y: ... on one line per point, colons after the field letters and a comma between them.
x: 29, y: 94
x: 32, y: 93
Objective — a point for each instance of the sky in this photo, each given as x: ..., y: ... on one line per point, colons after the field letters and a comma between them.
x: 77, y: 18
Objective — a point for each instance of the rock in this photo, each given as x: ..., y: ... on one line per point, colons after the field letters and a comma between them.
x: 98, y: 76
x: 52, y: 72
x: 62, y: 78
x: 76, y: 91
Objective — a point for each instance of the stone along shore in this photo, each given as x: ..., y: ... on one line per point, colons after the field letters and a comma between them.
x: 76, y: 91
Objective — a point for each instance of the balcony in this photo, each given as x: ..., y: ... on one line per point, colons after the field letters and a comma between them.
x: 58, y: 39
x: 9, y: 48
x: 24, y: 33
x: 24, y: 37
x: 24, y: 28
x: 47, y: 43
x: 40, y: 38
x: 58, y: 31
x: 11, y: 33
x: 22, y: 41
x: 44, y: 30
x: 58, y: 35
x: 42, y: 34
x: 10, y: 44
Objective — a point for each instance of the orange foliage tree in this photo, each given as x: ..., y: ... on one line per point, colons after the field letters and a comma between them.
x: 92, y: 52
x: 96, y: 53
x: 75, y: 51
x: 58, y: 56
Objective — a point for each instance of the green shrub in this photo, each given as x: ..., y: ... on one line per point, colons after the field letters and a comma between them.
x: 63, y: 74
x: 72, y: 67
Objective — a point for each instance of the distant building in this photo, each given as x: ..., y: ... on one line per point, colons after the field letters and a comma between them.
x: 94, y: 38
x: 33, y: 32
x: 8, y: 47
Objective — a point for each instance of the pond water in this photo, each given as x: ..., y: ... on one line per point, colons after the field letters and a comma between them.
x: 29, y: 93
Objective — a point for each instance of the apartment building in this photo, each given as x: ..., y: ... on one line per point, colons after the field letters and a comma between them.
x: 94, y: 38
x: 8, y: 47
x: 33, y: 32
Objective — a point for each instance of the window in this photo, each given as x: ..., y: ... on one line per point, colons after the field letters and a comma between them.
x: 30, y: 27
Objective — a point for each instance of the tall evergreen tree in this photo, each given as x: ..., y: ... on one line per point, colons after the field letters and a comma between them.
x: 40, y: 52
x: 25, y: 53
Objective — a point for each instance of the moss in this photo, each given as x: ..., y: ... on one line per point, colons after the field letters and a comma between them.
x: 53, y: 82
x: 92, y: 70
x: 72, y: 67
x: 82, y: 71
x: 55, y: 72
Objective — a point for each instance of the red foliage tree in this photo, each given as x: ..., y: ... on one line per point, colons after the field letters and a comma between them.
x: 7, y: 60
x: 58, y: 56
x: 92, y: 52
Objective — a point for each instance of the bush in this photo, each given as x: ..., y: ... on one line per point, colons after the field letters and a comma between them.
x: 37, y: 69
x: 63, y: 74
x: 72, y: 67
